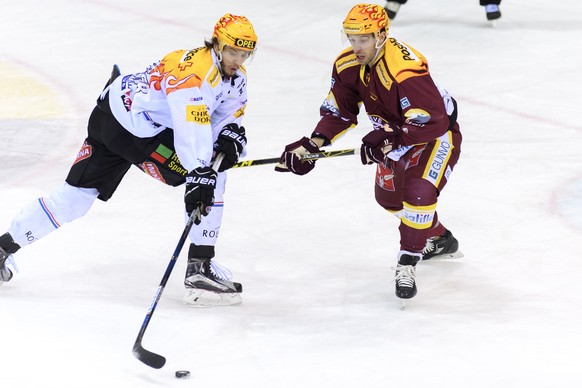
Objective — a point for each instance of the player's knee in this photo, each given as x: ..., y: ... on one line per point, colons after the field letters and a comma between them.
x: 420, y: 192
x: 69, y: 203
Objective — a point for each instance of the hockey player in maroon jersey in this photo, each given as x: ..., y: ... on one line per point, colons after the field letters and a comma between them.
x: 415, y: 142
x: 171, y: 121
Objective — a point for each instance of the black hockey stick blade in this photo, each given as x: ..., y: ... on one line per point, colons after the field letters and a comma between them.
x: 149, y: 358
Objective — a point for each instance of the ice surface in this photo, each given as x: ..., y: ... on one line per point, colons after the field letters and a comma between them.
x: 314, y: 253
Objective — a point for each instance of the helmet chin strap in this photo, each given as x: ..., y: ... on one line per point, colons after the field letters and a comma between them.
x: 378, y: 48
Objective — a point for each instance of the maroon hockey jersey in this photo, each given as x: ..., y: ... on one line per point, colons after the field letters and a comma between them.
x: 396, y: 90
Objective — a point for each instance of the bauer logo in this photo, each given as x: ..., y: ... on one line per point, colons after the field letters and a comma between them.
x: 197, y: 114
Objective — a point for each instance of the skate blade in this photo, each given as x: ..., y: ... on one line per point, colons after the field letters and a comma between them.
x: 203, y: 298
x: 447, y: 256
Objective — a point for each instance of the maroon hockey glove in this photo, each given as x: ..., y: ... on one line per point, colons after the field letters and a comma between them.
x: 375, y: 145
x: 291, y: 157
x: 231, y: 142
x: 200, y: 185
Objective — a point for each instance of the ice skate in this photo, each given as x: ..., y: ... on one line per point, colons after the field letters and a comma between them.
x: 444, y: 246
x: 5, y: 272
x: 7, y: 264
x: 492, y: 12
x: 405, y: 277
x: 392, y: 8
x: 208, y: 284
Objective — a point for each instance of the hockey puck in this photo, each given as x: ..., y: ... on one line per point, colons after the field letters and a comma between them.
x: 182, y: 374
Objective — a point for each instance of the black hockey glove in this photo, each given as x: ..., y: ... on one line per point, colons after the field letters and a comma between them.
x: 375, y: 145
x: 291, y: 158
x: 231, y: 142
x: 200, y: 185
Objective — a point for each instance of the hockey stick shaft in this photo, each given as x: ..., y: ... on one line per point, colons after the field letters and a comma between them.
x: 313, y: 156
x: 149, y: 358
x: 152, y: 359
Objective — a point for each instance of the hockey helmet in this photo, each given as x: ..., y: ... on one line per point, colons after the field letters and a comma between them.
x: 366, y: 19
x: 235, y: 31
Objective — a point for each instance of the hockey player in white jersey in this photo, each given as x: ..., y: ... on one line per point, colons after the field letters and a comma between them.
x: 170, y: 121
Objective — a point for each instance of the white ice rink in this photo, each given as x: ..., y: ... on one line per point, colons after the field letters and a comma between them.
x: 314, y: 253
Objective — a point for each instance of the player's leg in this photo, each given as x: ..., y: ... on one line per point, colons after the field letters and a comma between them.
x: 95, y: 173
x: 207, y: 283
x: 492, y: 11
x: 426, y: 175
x: 392, y: 7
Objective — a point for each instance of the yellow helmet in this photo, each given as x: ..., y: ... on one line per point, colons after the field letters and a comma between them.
x: 366, y: 19
x: 235, y: 31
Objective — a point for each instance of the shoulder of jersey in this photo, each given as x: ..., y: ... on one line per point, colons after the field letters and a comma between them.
x: 346, y: 60
x: 189, y: 68
x: 404, y: 61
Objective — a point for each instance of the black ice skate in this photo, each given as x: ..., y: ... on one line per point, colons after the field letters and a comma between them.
x: 405, y: 276
x: 5, y: 272
x: 444, y: 246
x: 391, y: 9
x: 492, y: 12
x: 207, y: 285
x: 7, y: 248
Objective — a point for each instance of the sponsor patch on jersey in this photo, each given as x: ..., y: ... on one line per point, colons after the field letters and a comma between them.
x: 385, y: 177
x: 383, y: 75
x: 152, y: 170
x: 437, y: 166
x: 379, y: 123
x: 418, y: 217
x: 329, y: 105
x: 85, y: 152
x: 418, y: 116
x: 197, y: 114
x: 344, y: 63
x: 214, y: 77
x: 404, y: 103
x: 162, y: 153
x: 407, y: 54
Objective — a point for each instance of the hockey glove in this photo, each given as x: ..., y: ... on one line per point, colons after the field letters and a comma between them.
x: 231, y: 142
x: 291, y: 157
x: 200, y: 185
x: 375, y: 145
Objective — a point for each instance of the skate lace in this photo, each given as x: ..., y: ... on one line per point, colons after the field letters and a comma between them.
x: 220, y: 271
x: 429, y: 247
x: 405, y: 275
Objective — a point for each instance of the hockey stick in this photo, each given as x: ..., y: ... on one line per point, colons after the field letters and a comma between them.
x: 149, y: 358
x: 314, y: 156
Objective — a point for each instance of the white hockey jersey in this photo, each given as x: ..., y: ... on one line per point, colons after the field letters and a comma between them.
x: 185, y: 91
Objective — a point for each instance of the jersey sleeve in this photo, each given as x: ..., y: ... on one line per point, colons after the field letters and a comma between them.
x: 339, y: 111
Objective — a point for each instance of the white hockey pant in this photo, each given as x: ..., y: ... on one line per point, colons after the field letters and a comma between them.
x: 206, y: 233
x: 46, y: 214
